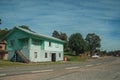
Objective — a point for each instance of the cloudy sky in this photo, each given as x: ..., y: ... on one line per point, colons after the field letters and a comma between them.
x: 101, y: 17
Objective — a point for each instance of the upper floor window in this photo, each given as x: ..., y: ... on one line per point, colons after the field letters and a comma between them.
x: 36, y: 42
x: 46, y: 55
x: 49, y: 43
x: 35, y: 54
x: 25, y: 43
x: 12, y: 43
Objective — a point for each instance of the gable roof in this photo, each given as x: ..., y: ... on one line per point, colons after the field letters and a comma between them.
x: 35, y: 34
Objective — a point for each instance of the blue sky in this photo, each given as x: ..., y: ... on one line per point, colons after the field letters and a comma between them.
x: 101, y: 17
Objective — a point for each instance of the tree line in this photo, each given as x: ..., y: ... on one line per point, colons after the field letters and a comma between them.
x: 114, y: 53
x: 78, y: 44
x: 3, y: 32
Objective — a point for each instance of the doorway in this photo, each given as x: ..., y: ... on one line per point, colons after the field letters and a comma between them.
x: 53, y: 57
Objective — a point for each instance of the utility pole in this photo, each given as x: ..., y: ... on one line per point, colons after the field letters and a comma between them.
x: 0, y: 21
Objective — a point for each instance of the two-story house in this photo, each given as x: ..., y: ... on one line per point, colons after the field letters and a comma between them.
x: 25, y: 45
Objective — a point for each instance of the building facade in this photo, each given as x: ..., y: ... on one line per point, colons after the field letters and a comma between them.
x: 35, y: 47
x: 3, y: 53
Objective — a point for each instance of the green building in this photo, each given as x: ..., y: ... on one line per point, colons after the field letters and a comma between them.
x: 28, y: 46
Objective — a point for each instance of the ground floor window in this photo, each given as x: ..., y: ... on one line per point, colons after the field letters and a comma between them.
x: 0, y: 47
x: 59, y: 54
x: 49, y: 43
x: 12, y: 42
x: 35, y: 54
x: 46, y: 55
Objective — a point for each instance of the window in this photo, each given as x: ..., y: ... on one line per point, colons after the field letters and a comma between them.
x: 49, y: 43
x: 35, y: 54
x: 59, y: 54
x: 12, y: 43
x: 36, y: 42
x: 25, y: 43
x: 0, y: 47
x: 45, y: 55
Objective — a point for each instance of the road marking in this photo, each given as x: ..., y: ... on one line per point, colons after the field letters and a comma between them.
x: 72, y: 67
x: 98, y: 63
x: 89, y: 65
x: 41, y: 71
x: 3, y: 74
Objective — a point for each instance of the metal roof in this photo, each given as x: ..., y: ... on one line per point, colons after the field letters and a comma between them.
x: 39, y: 35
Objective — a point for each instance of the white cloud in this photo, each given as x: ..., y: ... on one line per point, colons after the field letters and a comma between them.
x: 68, y: 16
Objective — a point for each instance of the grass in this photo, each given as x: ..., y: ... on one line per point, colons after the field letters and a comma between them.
x: 74, y: 58
x: 71, y: 58
x: 4, y: 63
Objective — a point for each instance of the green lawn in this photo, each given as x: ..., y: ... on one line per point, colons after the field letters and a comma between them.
x: 4, y: 63
x: 74, y: 58
x: 71, y: 58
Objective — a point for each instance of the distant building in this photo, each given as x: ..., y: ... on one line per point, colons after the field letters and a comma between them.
x: 3, y: 53
x: 25, y: 45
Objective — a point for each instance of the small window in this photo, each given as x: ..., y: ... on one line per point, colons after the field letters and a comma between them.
x: 12, y: 43
x: 0, y: 47
x: 35, y: 54
x: 59, y: 54
x: 25, y: 43
x: 45, y: 55
x: 36, y: 42
x: 49, y: 43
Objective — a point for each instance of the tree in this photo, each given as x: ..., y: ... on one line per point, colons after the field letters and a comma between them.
x: 77, y: 43
x: 3, y: 32
x: 62, y: 36
x: 25, y: 27
x: 93, y: 41
x: 56, y: 34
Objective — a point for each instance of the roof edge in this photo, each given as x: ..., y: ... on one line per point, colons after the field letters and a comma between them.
x: 41, y: 35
